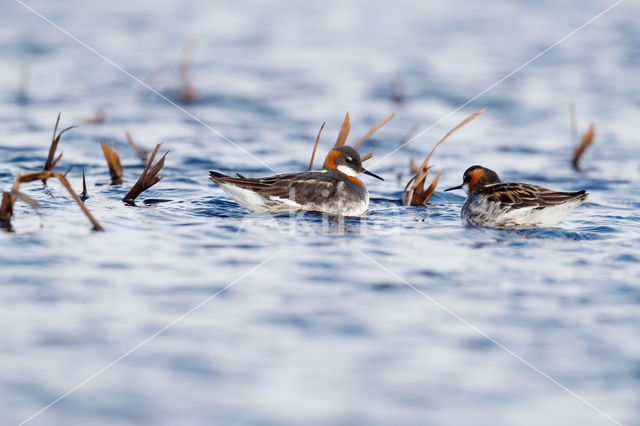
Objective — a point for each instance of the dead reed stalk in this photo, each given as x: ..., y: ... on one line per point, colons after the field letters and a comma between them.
x: 366, y: 156
x: 113, y: 161
x: 50, y: 163
x: 84, y: 194
x: 417, y: 196
x: 98, y: 118
x: 9, y: 198
x: 6, y: 207
x: 315, y: 146
x: 587, y: 139
x: 373, y: 130
x: 187, y: 90
x: 412, y: 166
x: 148, y: 177
x: 142, y: 154
x: 344, y: 133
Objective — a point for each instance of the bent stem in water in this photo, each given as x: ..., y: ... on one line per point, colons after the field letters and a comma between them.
x: 9, y: 198
x: 113, y: 162
x: 417, y: 196
x: 148, y: 178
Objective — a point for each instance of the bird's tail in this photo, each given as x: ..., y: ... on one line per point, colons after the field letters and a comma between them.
x: 213, y: 175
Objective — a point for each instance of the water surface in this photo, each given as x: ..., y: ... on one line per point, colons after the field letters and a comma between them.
x: 399, y: 317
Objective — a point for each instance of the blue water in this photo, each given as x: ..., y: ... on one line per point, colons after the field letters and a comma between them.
x: 405, y: 316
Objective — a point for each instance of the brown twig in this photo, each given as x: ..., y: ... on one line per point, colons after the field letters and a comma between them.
x: 84, y: 194
x: 344, y: 131
x: 25, y: 198
x: 148, y: 177
x: 424, y: 199
x: 65, y: 183
x: 113, y: 161
x: 315, y: 146
x: 9, y: 198
x: 187, y: 90
x: 412, y: 166
x: 373, y: 130
x: 97, y: 118
x: 416, y: 196
x: 50, y: 163
x: 367, y: 156
x: 6, y: 209
x: 142, y: 154
x: 587, y: 139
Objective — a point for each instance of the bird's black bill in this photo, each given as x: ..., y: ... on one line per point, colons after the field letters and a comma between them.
x: 367, y: 172
x: 455, y: 187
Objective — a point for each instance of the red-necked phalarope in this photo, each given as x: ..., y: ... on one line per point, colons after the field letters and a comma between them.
x: 334, y: 189
x: 491, y: 202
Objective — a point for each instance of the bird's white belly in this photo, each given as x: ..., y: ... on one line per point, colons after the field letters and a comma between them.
x: 256, y: 203
x: 487, y: 213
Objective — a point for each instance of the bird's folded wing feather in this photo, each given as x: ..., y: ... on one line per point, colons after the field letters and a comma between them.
x: 520, y: 195
x: 299, y: 187
x: 276, y: 186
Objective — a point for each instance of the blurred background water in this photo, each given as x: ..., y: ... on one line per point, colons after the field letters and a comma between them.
x: 342, y: 321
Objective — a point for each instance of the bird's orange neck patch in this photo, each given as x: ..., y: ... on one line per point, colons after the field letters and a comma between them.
x: 475, y: 175
x: 330, y: 163
x: 354, y: 179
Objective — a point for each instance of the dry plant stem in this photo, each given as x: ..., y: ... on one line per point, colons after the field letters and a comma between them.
x: 373, y: 130
x: 412, y: 166
x: 141, y: 153
x: 147, y: 179
x: 98, y: 118
x: 315, y: 146
x: 44, y: 175
x: 113, y: 161
x: 84, y: 194
x: 188, y: 92
x: 367, y: 156
x: 344, y: 131
x: 51, y: 162
x: 6, y: 207
x: 424, y: 199
x: 587, y: 139
x: 415, y: 187
x: 25, y: 198
x: 452, y: 131
x: 65, y: 183
x: 9, y: 198
x: 421, y: 175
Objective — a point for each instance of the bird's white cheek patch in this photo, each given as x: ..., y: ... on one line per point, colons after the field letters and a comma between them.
x: 466, y: 187
x: 347, y: 171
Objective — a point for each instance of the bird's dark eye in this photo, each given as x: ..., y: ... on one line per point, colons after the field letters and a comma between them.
x: 348, y: 159
x: 467, y: 178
